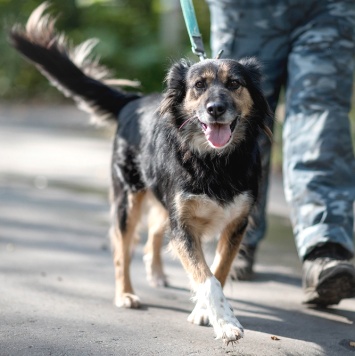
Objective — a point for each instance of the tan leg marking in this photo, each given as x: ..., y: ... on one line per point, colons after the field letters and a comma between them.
x: 227, y: 249
x: 188, y: 245
x: 157, y: 224
x: 122, y: 247
x: 192, y: 259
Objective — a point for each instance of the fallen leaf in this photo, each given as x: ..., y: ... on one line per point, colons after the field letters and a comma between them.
x: 274, y: 338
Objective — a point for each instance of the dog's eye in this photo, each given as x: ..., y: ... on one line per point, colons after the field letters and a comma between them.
x: 233, y: 84
x: 200, y: 84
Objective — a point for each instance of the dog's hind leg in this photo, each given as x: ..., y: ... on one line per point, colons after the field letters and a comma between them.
x: 126, y: 214
x: 157, y: 223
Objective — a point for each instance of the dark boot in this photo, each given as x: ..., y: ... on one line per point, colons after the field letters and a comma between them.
x: 328, y: 276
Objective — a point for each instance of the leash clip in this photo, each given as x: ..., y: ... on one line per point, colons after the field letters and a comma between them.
x: 197, y: 47
x: 219, y: 54
x: 192, y: 29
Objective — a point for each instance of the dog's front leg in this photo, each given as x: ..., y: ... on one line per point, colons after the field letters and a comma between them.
x: 211, y: 304
x: 227, y: 248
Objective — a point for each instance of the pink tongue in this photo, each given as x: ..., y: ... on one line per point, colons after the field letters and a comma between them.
x: 218, y: 134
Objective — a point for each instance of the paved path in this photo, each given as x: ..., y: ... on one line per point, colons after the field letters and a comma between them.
x: 56, y: 274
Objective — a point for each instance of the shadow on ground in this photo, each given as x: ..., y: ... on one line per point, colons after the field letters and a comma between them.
x: 57, y: 279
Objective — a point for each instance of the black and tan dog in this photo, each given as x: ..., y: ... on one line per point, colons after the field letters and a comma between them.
x: 192, y: 152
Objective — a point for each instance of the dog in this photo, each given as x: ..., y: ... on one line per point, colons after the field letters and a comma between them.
x: 192, y: 152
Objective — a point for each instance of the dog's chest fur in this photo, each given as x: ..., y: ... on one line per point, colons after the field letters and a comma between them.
x: 207, y: 215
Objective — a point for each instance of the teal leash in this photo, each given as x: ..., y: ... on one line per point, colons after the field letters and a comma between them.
x: 192, y: 28
x: 193, y: 31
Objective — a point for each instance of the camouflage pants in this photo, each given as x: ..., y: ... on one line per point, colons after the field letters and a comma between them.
x: 307, y: 48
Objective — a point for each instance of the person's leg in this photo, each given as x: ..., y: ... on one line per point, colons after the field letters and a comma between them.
x: 253, y: 28
x: 319, y: 165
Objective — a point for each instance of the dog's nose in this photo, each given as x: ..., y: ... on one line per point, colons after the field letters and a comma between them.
x: 216, y: 109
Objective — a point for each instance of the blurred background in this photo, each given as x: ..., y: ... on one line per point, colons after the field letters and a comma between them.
x: 139, y: 39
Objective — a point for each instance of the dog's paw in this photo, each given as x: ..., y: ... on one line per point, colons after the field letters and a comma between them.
x: 157, y: 280
x: 213, y: 305
x: 199, y: 316
x: 229, y: 331
x: 155, y: 274
x: 127, y: 300
x: 227, y: 327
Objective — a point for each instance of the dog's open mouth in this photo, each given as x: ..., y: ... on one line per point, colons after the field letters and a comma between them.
x: 218, y: 135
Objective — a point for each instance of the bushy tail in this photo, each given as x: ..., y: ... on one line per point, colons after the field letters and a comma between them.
x: 70, y: 69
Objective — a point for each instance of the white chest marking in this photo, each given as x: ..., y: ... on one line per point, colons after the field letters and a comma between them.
x: 218, y: 216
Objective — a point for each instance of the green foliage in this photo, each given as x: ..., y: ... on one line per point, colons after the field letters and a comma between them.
x: 129, y: 31
x: 138, y: 40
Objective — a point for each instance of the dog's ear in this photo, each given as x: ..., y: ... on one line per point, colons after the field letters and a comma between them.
x: 175, y: 86
x: 253, y: 67
x: 253, y: 73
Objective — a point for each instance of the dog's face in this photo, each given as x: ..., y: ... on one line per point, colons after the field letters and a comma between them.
x: 215, y: 102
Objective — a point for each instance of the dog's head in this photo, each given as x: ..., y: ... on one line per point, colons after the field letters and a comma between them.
x: 215, y: 104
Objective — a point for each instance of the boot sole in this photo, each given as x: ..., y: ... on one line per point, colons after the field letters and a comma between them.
x: 332, y: 288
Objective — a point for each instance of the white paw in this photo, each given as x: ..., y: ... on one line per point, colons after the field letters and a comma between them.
x: 229, y: 331
x: 199, y: 316
x: 216, y: 309
x: 127, y: 300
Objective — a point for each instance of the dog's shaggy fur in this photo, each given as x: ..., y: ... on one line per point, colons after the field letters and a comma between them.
x: 192, y: 152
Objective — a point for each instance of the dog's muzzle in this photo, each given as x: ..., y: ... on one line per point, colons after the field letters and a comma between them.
x: 218, y: 134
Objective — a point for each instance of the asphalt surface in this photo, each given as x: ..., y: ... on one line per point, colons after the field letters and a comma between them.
x: 56, y: 272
